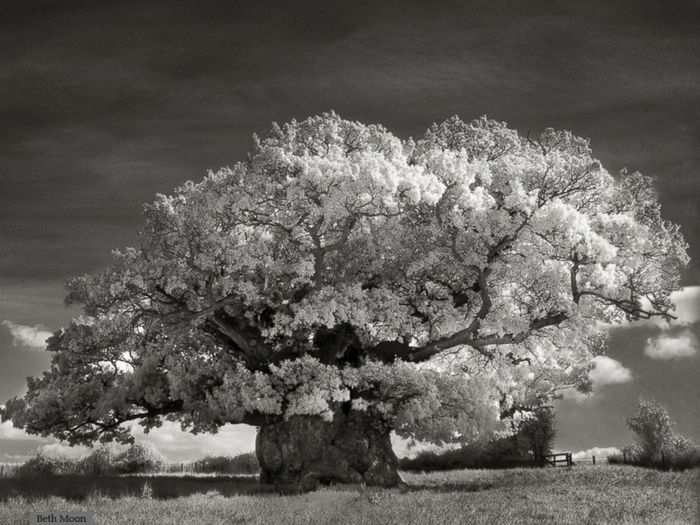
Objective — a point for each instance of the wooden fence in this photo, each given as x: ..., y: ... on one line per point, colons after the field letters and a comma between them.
x: 565, y: 459
x: 561, y: 459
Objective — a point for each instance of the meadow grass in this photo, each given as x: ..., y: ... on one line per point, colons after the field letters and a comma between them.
x: 582, y: 495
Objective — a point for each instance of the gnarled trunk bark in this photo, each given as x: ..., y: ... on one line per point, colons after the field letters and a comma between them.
x: 300, y: 453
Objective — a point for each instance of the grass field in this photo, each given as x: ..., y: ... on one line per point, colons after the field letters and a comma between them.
x: 582, y: 495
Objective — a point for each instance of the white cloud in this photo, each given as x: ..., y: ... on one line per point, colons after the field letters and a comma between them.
x: 174, y: 444
x: 63, y: 451
x: 7, y: 431
x: 571, y: 394
x: 687, y: 302
x: 608, y: 371
x: 177, y: 445
x: 667, y: 346
x: 30, y: 336
x: 407, y: 448
x: 687, y: 311
x: 600, y: 453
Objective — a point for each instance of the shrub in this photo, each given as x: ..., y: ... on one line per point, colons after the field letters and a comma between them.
x: 668, y: 459
x: 657, y: 445
x: 245, y: 464
x: 653, y: 428
x: 501, y: 453
x: 536, y: 434
x: 684, y: 459
x: 527, y: 447
x: 41, y: 465
x: 138, y: 459
x: 100, y: 462
x: 97, y: 463
x: 615, y: 459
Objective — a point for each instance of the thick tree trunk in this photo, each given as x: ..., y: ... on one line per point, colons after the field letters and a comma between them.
x: 298, y: 454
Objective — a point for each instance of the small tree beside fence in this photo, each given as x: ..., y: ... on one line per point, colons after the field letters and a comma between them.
x: 658, y: 446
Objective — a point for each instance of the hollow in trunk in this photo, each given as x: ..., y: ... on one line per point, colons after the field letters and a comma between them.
x: 304, y: 451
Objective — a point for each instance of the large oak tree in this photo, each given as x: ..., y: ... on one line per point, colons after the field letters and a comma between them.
x: 342, y: 283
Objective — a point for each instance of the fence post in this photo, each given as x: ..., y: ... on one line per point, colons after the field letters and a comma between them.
x: 594, y: 460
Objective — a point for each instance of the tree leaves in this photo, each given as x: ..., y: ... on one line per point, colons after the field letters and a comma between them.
x: 338, y: 263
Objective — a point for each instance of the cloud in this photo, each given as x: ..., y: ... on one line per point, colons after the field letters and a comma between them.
x: 30, y: 336
x: 174, y: 444
x: 410, y: 448
x: 687, y: 310
x: 177, y: 445
x: 608, y: 371
x: 7, y: 431
x: 63, y: 451
x: 667, y: 346
x: 687, y: 301
x: 169, y: 440
x: 598, y: 452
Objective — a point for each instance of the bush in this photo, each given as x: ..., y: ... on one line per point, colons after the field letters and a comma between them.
x: 653, y: 428
x: 616, y: 459
x: 100, y: 462
x: 97, y: 463
x: 667, y: 460
x: 138, y: 459
x: 536, y: 434
x: 41, y: 465
x: 501, y: 453
x: 683, y: 459
x: 657, y: 444
x: 527, y: 447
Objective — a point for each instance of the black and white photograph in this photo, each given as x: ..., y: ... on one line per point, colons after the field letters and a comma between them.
x: 365, y: 262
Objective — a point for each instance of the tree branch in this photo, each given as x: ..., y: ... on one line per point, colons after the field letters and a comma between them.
x: 630, y: 307
x: 465, y: 337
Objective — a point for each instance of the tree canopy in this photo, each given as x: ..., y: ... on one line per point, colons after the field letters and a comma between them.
x: 443, y: 284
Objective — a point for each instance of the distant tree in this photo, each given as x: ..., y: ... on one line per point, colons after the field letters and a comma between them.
x: 100, y: 462
x: 537, y: 433
x: 653, y: 428
x: 138, y: 458
x: 342, y: 283
x: 240, y: 464
x: 41, y: 466
x: 532, y: 439
x: 657, y: 443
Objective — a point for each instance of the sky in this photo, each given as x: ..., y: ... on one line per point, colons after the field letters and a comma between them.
x: 105, y: 104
